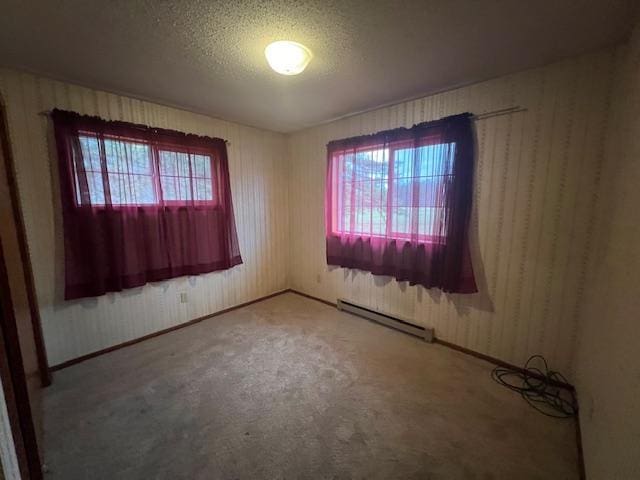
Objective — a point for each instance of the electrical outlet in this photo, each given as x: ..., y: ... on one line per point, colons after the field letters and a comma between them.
x: 183, y: 297
x: 318, y: 278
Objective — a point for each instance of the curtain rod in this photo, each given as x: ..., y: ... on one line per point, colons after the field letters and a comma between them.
x: 497, y: 113
x: 46, y: 113
x: 479, y: 116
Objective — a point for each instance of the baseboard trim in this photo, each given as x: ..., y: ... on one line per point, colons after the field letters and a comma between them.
x: 97, y: 353
x: 326, y: 302
x: 501, y: 363
x: 453, y: 346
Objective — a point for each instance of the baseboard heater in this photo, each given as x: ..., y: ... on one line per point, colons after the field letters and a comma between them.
x: 386, y: 319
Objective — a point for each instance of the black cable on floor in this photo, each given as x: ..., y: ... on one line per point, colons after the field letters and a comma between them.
x: 540, y: 387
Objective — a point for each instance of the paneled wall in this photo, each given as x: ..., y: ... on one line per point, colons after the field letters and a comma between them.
x: 608, y: 357
x: 258, y: 183
x: 9, y: 240
x: 536, y: 178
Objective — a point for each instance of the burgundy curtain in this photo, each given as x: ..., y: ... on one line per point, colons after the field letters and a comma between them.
x: 140, y: 204
x: 398, y: 203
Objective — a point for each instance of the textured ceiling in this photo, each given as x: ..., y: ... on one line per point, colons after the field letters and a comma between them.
x: 207, y: 56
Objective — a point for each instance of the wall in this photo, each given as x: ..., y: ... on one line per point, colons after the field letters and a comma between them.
x: 15, y: 269
x: 258, y: 182
x: 9, y: 468
x: 608, y: 357
x: 534, y: 197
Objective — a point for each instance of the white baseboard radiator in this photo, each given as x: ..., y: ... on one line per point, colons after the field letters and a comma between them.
x: 386, y: 319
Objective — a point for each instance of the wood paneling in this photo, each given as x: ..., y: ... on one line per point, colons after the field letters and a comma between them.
x: 13, y: 236
x: 259, y: 186
x: 608, y: 354
x: 537, y: 174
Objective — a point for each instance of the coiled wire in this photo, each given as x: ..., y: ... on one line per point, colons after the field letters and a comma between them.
x: 545, y: 390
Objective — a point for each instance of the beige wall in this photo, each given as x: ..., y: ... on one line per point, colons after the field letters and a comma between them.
x: 535, y: 192
x: 258, y: 182
x: 16, y: 274
x: 608, y: 357
x: 8, y: 460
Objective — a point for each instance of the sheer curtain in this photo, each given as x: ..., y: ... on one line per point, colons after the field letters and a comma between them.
x: 398, y: 203
x: 140, y: 204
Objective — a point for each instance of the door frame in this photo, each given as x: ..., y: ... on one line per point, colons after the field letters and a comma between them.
x: 34, y: 310
x: 14, y: 384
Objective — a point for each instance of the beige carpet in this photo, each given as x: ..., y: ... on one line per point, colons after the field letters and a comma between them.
x: 291, y: 388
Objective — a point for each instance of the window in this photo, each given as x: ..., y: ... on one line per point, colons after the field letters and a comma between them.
x: 140, y: 204
x: 395, y: 192
x: 185, y: 177
x: 133, y: 176
x: 398, y: 203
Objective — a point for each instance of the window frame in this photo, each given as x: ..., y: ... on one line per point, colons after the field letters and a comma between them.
x: 155, y: 148
x: 392, y: 148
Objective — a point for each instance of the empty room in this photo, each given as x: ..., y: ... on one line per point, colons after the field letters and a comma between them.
x: 319, y: 240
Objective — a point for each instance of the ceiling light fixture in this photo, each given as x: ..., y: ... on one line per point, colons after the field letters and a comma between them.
x: 287, y: 58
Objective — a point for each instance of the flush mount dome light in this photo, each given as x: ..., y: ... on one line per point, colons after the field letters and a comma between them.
x: 287, y: 58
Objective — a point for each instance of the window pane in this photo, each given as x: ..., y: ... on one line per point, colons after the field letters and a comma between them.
x: 370, y: 165
x: 169, y: 190
x: 432, y: 190
x: 403, y: 163
x: 362, y: 193
x: 402, y: 192
x: 131, y: 189
x: 414, y: 196
x: 125, y: 163
x: 116, y: 188
x: 346, y: 162
x: 378, y: 220
x: 182, y: 160
x: 143, y: 190
x: 96, y: 188
x: 175, y: 188
x: 201, y: 166
x: 90, y: 153
x: 437, y: 159
x: 127, y: 157
x: 346, y: 189
x: 202, y: 189
x: 168, y: 163
x: 362, y: 219
x: 379, y: 194
x: 132, y: 177
x: 430, y: 220
x: 184, y: 187
x: 346, y: 221
x: 401, y: 220
x: 181, y: 172
x: 140, y: 159
x: 115, y: 156
x: 428, y: 160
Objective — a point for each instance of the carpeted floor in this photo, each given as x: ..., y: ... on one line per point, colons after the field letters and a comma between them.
x: 291, y: 388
